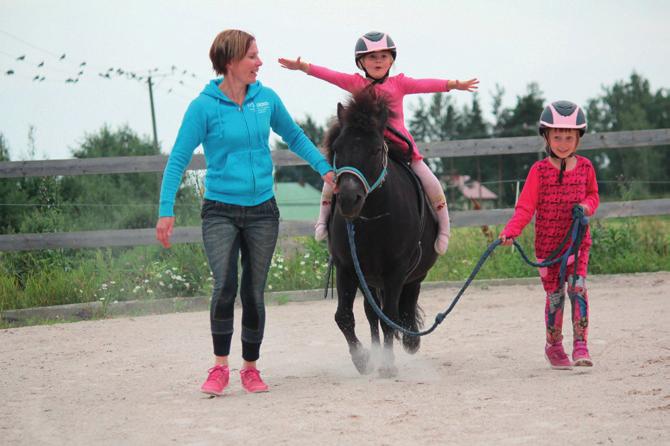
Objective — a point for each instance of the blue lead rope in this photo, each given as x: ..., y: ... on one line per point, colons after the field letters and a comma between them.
x: 576, y: 233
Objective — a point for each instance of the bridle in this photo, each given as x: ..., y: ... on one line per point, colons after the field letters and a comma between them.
x: 358, y: 174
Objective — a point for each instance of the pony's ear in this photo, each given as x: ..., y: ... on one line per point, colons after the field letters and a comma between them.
x: 340, y: 112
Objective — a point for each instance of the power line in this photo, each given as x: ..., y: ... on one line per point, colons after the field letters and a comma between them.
x: 141, y: 76
x: 39, y: 65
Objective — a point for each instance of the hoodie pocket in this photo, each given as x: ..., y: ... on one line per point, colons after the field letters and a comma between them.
x: 262, y: 167
x: 235, y: 177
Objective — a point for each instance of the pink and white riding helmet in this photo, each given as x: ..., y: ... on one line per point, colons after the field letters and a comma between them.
x: 371, y: 42
x: 562, y: 115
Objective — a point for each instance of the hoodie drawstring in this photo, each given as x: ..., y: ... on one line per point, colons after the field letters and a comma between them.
x: 218, y: 112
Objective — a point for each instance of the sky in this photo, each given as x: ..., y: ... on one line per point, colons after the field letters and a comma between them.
x: 572, y: 49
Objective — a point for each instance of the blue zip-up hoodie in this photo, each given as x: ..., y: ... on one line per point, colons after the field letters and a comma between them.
x: 236, y: 143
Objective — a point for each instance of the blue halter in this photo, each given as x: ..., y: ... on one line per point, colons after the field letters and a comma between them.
x: 358, y: 174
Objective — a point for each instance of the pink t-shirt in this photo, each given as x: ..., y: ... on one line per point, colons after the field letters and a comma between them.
x: 551, y: 203
x: 394, y: 89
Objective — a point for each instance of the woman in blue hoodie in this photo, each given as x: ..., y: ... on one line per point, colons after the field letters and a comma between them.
x: 232, y: 118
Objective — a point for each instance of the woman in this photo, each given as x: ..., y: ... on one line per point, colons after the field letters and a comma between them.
x: 232, y: 118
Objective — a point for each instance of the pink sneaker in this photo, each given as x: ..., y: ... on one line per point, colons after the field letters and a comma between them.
x: 251, y: 381
x: 580, y: 355
x: 217, y: 380
x: 557, y: 357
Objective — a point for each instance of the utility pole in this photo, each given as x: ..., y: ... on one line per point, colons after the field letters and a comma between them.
x: 153, y: 113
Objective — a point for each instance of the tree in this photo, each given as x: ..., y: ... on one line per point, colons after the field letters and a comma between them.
x: 10, y: 193
x: 122, y: 201
x: 28, y: 204
x: 521, y: 120
x: 441, y: 121
x: 437, y: 121
x: 631, y: 105
x: 4, y: 149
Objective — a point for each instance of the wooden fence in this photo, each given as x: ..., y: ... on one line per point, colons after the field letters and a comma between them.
x: 470, y: 147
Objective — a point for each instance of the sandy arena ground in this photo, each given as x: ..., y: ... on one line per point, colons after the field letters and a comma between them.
x: 480, y: 379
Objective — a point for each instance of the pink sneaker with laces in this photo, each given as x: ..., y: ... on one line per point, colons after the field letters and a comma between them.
x: 580, y: 355
x: 251, y: 380
x: 217, y: 380
x: 557, y: 357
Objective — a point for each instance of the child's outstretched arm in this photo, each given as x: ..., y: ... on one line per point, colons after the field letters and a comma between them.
x: 349, y: 82
x: 413, y: 86
x: 469, y: 85
x: 296, y: 64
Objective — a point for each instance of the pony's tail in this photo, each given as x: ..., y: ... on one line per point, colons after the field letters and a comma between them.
x: 412, y: 320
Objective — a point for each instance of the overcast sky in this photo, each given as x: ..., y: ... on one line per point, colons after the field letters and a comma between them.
x: 570, y: 48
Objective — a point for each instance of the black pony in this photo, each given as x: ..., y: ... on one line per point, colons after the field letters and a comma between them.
x: 394, y: 228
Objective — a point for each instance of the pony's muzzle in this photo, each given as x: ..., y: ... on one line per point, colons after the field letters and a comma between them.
x: 351, y: 197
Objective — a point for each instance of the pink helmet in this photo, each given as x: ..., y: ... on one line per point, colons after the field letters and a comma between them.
x: 371, y: 42
x: 562, y: 115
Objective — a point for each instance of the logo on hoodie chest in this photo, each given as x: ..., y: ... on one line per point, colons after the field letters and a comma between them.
x: 259, y: 107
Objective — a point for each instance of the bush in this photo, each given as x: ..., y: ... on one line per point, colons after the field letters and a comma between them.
x: 53, y: 277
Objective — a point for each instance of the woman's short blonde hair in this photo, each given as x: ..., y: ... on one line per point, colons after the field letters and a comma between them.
x: 229, y: 46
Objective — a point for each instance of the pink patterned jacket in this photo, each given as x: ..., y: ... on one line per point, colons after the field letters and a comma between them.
x: 551, y: 203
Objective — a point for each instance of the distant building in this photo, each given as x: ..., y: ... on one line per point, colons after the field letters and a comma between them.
x: 474, y: 194
x: 297, y: 201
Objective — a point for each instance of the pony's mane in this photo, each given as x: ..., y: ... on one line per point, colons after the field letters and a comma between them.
x: 365, y: 112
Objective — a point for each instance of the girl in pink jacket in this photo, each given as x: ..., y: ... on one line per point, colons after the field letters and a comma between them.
x: 553, y: 187
x: 375, y: 53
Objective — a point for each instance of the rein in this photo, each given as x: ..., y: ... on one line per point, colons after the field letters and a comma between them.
x: 574, y: 235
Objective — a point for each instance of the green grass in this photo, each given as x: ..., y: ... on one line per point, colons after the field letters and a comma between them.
x: 57, y: 277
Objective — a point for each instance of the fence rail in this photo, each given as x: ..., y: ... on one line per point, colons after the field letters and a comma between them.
x: 468, y: 147
x: 138, y: 237
x: 459, y: 148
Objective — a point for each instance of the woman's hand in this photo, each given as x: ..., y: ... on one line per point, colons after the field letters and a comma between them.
x: 294, y: 64
x: 164, y: 230
x: 329, y: 178
x: 469, y: 85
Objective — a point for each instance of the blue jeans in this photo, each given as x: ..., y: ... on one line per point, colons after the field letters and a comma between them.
x: 227, y: 230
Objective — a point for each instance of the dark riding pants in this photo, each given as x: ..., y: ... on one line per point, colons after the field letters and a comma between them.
x: 227, y: 231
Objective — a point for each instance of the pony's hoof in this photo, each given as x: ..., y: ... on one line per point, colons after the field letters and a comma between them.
x: 411, y: 344
x: 361, y: 359
x: 388, y: 371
